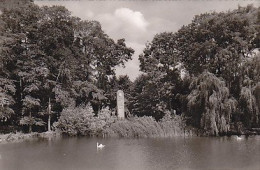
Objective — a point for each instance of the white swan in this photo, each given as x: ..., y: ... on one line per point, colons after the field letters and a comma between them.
x: 239, y: 138
x: 100, y: 146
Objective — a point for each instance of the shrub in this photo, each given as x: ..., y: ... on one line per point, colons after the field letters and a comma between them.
x: 82, y: 121
x: 76, y: 120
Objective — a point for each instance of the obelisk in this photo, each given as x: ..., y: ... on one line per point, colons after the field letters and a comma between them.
x: 120, y: 104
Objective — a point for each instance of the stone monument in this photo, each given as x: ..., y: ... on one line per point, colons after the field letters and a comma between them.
x: 120, y: 104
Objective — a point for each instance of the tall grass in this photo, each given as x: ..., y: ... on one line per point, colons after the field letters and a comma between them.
x: 148, y: 127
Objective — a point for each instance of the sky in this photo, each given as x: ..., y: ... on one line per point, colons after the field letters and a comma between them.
x: 139, y: 21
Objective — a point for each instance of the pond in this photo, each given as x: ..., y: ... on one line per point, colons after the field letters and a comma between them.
x: 132, y: 154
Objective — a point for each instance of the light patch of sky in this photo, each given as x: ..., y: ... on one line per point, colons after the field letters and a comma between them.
x: 139, y: 21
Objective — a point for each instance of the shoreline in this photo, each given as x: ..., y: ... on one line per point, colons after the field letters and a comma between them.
x: 20, y: 137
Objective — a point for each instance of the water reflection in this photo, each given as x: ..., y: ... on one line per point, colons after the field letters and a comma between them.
x: 151, y: 154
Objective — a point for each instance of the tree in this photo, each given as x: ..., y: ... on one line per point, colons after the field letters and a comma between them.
x: 210, y: 104
x: 30, y: 104
x: 114, y: 84
x: 155, y: 94
x: 7, y: 85
x: 7, y: 91
x: 98, y: 55
x: 15, y: 50
x: 219, y: 43
x: 161, y: 63
x: 160, y: 54
x: 11, y: 4
x: 249, y: 94
x: 145, y: 99
x: 248, y: 107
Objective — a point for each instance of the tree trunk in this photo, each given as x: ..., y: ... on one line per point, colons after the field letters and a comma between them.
x: 49, y: 123
x: 49, y: 115
x: 30, y: 125
x: 21, y: 88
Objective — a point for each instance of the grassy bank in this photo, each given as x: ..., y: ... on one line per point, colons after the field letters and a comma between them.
x: 20, y: 137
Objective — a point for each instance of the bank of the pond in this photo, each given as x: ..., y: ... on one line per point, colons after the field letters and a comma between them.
x: 20, y: 137
x: 140, y: 127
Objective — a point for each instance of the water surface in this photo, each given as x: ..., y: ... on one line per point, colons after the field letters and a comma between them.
x: 180, y: 153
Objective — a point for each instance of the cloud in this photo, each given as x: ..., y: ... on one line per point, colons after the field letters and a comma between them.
x: 128, y: 16
x: 124, y: 23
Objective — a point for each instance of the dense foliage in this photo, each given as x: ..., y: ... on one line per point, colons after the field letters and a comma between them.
x: 210, y: 104
x: 51, y: 60
x: 208, y: 70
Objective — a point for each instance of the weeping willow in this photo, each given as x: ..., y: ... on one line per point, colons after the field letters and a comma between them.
x: 210, y: 105
x: 249, y: 98
x: 249, y: 106
x: 256, y: 93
